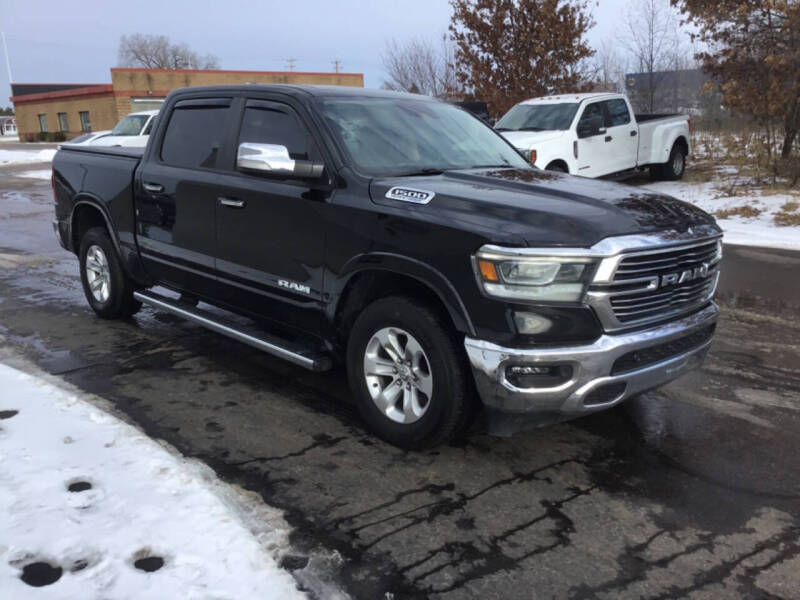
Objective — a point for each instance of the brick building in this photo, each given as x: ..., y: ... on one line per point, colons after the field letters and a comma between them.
x: 76, y: 108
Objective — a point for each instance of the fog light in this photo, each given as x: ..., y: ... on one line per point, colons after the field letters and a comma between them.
x: 529, y: 370
x: 530, y: 323
x: 538, y: 376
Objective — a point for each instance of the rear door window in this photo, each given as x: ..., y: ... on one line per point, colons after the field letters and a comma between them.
x: 195, y: 133
x: 617, y: 113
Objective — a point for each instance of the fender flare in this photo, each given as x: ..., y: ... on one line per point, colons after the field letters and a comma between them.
x: 410, y: 267
x: 85, y: 199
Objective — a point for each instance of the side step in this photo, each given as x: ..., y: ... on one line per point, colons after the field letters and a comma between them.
x: 313, y: 360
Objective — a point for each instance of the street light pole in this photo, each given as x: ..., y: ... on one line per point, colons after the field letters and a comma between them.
x: 5, y: 51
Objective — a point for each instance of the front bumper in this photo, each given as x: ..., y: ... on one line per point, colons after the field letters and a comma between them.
x: 595, y: 383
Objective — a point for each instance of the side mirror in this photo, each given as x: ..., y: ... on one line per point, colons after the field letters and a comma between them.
x: 590, y: 126
x: 274, y: 159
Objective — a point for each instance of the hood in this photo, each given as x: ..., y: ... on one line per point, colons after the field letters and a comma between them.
x: 539, y: 208
x: 527, y: 140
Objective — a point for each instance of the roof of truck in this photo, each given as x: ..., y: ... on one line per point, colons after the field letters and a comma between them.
x: 298, y: 90
x: 570, y: 98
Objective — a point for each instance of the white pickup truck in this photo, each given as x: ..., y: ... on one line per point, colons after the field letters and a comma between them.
x: 596, y: 135
x: 132, y: 131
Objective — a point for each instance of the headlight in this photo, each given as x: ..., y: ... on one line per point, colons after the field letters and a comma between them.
x: 545, y: 278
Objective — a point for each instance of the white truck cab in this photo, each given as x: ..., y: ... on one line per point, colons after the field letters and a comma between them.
x: 596, y: 135
x: 132, y: 131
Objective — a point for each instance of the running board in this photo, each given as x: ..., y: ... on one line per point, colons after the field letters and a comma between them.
x: 313, y: 360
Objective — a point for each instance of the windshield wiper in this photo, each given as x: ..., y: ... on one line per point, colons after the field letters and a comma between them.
x: 503, y: 166
x: 520, y: 129
x: 428, y: 171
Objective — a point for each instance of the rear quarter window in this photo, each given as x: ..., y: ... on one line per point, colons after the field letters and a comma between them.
x: 194, y: 135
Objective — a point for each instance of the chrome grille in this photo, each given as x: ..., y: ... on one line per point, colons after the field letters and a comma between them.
x: 637, y: 293
x: 633, y: 307
x: 652, y: 263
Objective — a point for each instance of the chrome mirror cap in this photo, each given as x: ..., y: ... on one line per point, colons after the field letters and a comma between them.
x: 269, y: 158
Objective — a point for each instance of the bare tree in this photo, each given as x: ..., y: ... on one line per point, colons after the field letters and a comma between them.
x: 653, y: 31
x: 607, y: 68
x: 421, y: 67
x: 158, y: 52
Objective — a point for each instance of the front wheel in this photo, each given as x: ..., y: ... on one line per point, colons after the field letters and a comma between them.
x: 408, y: 373
x: 557, y: 167
x: 108, y: 290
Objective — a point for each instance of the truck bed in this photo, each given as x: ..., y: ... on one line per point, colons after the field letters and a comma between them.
x: 645, y: 117
x: 127, y: 152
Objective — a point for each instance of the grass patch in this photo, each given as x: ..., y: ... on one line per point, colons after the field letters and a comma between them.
x: 745, y: 210
x: 788, y: 214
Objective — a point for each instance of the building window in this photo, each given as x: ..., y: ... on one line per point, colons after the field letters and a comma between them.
x: 62, y: 122
x: 86, y: 124
x: 43, y: 123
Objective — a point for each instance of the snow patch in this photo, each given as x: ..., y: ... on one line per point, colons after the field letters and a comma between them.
x: 754, y: 231
x: 93, y: 508
x: 12, y: 157
x: 43, y: 174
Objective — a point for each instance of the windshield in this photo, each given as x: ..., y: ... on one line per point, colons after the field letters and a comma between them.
x: 538, y: 117
x: 392, y: 137
x: 130, y: 125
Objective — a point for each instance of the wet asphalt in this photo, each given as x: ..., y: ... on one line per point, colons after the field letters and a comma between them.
x: 689, y: 491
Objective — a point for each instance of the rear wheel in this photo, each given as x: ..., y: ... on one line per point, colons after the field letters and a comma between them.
x: 676, y: 165
x: 108, y: 290
x: 408, y: 373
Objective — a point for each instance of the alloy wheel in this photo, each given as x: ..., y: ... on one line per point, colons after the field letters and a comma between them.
x: 398, y: 375
x: 98, y: 274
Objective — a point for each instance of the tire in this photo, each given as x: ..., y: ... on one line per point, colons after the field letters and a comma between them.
x: 112, y: 297
x: 556, y: 167
x: 444, y: 396
x: 676, y: 165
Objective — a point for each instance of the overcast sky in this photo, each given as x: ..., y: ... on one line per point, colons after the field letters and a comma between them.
x: 65, y: 42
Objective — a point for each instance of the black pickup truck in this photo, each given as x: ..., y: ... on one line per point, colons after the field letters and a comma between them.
x: 399, y: 236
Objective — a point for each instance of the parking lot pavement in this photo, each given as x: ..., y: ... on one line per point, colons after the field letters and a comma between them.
x: 690, y: 491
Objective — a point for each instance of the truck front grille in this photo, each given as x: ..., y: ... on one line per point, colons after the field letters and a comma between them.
x: 633, y: 307
x: 663, y: 262
x: 656, y: 284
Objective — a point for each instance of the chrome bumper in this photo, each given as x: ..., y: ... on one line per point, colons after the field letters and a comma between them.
x: 591, y: 368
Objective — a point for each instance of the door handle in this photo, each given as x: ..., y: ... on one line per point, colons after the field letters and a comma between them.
x: 154, y: 188
x: 608, y: 138
x: 231, y: 202
x: 633, y: 133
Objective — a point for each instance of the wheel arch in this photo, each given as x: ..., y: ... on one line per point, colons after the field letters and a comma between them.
x: 368, y: 277
x: 558, y: 162
x: 88, y: 212
x: 683, y: 143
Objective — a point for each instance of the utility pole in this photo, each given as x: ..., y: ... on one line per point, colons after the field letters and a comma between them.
x: 336, y: 65
x: 291, y: 62
x: 5, y: 51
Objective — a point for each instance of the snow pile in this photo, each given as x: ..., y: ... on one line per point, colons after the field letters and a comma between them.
x: 93, y: 508
x: 8, y: 157
x: 42, y: 174
x: 750, y: 231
